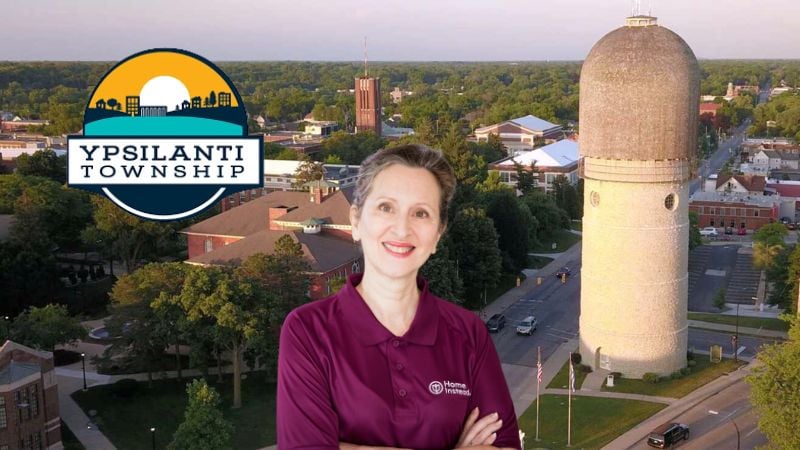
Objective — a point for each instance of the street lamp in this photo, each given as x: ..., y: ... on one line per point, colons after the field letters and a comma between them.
x: 153, y: 436
x: 738, y: 437
x: 83, y: 366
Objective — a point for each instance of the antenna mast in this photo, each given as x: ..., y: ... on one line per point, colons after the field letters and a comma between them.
x: 637, y: 7
x: 365, y: 57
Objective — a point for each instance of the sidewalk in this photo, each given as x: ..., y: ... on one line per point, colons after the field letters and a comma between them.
x: 742, y: 330
x: 635, y: 435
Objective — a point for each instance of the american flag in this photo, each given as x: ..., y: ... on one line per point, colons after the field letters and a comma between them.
x: 539, y: 371
x: 571, y: 376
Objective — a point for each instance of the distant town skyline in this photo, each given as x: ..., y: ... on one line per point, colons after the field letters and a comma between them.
x: 413, y: 30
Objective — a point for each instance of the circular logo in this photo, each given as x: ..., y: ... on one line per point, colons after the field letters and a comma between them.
x: 436, y: 387
x: 165, y: 137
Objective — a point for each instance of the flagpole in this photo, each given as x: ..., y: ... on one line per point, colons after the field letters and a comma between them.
x: 569, y: 402
x: 538, y: 382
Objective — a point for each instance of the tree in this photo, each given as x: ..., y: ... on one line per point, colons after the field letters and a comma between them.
x: 126, y: 236
x: 775, y: 391
x: 285, y: 275
x: 566, y: 197
x: 469, y: 168
x: 44, y: 328
x: 695, y: 239
x: 512, y: 233
x: 441, y: 271
x: 308, y: 171
x: 526, y: 179
x: 43, y: 163
x: 719, y: 299
x: 204, y: 426
x: 493, y: 183
x: 236, y: 304
x: 765, y: 253
x: 212, y: 99
x: 473, y: 245
x: 144, y: 331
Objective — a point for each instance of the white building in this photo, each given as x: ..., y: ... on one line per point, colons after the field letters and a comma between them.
x: 559, y: 158
x: 522, y: 133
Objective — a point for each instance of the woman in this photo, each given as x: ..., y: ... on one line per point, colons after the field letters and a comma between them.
x: 384, y: 362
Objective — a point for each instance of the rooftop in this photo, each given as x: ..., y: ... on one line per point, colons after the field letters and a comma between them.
x: 563, y: 153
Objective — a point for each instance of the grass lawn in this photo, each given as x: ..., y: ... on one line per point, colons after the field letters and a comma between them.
x: 69, y: 440
x: 561, y: 380
x: 577, y: 225
x: 537, y: 262
x: 506, y: 281
x: 126, y: 422
x: 595, y: 421
x: 704, y: 372
x: 751, y: 322
x: 563, y: 240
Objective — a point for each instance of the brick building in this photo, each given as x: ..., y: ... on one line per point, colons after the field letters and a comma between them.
x: 368, y: 105
x: 522, y: 133
x: 318, y: 220
x: 559, y: 158
x: 29, y: 416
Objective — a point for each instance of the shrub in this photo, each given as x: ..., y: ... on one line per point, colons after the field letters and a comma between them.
x: 584, y: 368
x: 125, y: 388
x: 686, y: 371
x: 677, y: 375
x: 692, y: 363
x: 576, y: 358
x: 690, y: 355
x: 651, y: 377
x: 616, y: 375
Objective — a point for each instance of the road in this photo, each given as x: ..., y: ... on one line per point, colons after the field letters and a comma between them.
x: 718, y: 431
x: 556, y: 306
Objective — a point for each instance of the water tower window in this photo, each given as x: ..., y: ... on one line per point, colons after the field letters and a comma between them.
x: 669, y: 202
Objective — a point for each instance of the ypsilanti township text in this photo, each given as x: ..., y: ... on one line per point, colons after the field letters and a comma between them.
x: 164, y: 161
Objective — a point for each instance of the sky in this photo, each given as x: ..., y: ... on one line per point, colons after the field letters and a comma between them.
x: 405, y: 30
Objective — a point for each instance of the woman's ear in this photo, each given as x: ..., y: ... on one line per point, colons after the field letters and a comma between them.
x: 354, y: 216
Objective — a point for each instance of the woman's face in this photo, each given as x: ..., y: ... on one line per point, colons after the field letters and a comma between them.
x: 399, y: 225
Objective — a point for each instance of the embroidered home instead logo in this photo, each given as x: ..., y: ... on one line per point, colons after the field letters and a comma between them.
x: 448, y: 387
x: 165, y: 137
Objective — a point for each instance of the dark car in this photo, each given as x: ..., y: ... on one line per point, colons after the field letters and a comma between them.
x: 666, y: 435
x: 728, y: 230
x: 563, y: 272
x: 496, y: 323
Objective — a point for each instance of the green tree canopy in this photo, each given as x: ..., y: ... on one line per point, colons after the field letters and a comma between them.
x: 204, y: 427
x: 472, y: 244
x: 776, y: 390
x: 43, y: 163
x: 44, y: 328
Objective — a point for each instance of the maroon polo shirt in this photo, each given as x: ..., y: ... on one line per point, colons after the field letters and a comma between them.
x: 343, y: 377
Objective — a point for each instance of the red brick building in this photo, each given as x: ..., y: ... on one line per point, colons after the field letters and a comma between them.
x: 709, y: 108
x: 318, y: 220
x: 29, y: 416
x: 368, y: 105
x: 737, y: 202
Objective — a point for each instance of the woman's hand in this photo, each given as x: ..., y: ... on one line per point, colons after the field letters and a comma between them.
x: 479, y: 432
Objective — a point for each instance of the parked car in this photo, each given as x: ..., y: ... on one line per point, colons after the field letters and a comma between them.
x: 791, y: 226
x: 563, y: 272
x: 742, y: 232
x: 666, y: 435
x: 708, y: 232
x: 527, y: 326
x: 728, y: 230
x: 496, y: 323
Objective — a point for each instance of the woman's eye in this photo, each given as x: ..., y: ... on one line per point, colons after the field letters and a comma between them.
x: 383, y: 207
x: 421, y: 214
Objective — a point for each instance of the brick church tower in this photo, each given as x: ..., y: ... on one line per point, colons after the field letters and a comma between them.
x: 368, y: 104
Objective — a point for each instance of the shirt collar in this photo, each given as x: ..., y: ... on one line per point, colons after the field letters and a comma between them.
x: 369, y: 331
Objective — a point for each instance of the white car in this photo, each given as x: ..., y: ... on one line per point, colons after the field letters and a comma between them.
x: 527, y: 326
x: 708, y: 231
